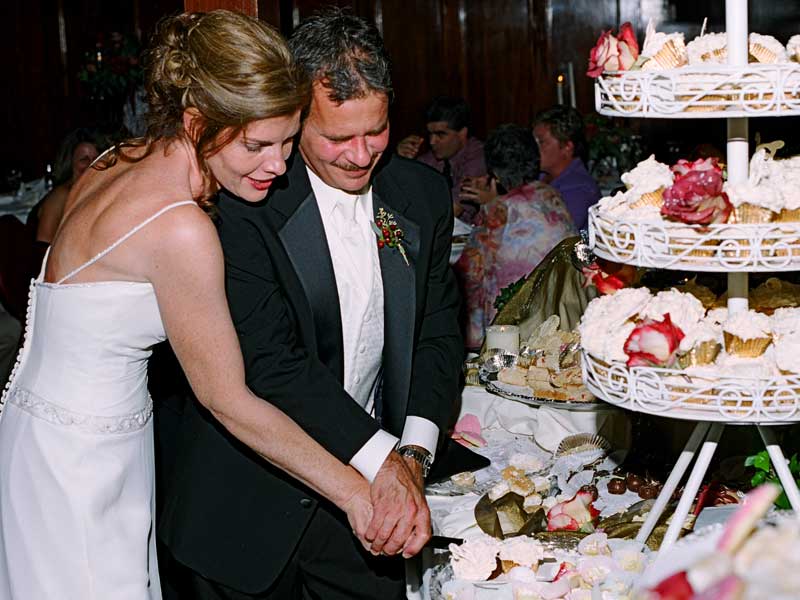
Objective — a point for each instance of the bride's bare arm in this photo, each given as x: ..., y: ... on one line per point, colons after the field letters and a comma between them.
x: 187, y: 271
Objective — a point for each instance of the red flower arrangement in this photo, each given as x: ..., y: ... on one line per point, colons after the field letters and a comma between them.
x: 612, y: 53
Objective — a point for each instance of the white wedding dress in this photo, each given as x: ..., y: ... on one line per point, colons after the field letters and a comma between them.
x: 77, y: 491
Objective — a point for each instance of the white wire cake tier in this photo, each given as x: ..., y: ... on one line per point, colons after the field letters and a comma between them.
x: 701, y: 92
x: 679, y: 394
x: 725, y: 247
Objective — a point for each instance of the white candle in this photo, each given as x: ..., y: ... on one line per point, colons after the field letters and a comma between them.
x: 571, y: 83
x: 505, y: 337
x: 560, y: 88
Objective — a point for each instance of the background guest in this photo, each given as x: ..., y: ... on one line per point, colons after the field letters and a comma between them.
x: 452, y: 151
x: 76, y: 152
x: 514, y: 231
x: 561, y: 139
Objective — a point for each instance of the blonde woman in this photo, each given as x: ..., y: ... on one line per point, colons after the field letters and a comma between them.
x: 134, y: 260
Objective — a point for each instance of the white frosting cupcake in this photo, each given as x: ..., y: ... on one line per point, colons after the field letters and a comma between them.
x: 620, y: 206
x: 708, y: 48
x: 701, y: 332
x: 655, y: 42
x: 766, y: 49
x: 762, y: 194
x: 648, y: 176
x: 793, y: 48
x: 748, y: 325
x: 785, y: 322
x: 684, y: 310
x: 475, y: 560
x: 747, y: 334
x: 522, y: 551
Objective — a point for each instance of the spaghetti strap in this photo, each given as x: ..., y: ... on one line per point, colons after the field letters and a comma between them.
x: 144, y: 223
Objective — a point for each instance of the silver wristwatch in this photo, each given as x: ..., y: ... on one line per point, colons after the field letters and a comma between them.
x: 422, y: 456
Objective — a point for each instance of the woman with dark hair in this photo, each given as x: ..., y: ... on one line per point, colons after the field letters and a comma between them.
x: 514, y: 231
x: 75, y: 153
x: 134, y: 260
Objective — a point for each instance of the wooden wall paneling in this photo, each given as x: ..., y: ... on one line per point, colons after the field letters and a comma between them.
x: 501, y: 64
x: 248, y: 7
x: 576, y: 25
x: 32, y: 107
x: 412, y: 33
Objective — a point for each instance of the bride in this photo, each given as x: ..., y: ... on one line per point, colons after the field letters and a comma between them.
x: 136, y: 258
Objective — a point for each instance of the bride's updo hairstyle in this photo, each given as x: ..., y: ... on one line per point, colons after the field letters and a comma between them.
x: 233, y: 69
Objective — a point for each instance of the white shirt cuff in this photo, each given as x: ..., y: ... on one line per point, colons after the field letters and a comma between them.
x: 369, y: 459
x: 419, y: 431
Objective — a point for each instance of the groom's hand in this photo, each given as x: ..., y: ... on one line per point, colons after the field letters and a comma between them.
x: 401, y: 519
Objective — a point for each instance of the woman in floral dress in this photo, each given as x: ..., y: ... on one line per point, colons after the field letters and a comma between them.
x: 514, y: 230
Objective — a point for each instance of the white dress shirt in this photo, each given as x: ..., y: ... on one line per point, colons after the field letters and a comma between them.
x: 354, y: 254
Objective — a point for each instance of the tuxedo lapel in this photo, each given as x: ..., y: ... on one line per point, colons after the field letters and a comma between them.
x: 399, y: 303
x: 303, y: 236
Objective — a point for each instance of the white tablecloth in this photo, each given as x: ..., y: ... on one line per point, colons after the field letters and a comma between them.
x: 21, y: 203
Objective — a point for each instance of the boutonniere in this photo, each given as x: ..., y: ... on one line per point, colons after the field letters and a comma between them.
x: 388, y: 233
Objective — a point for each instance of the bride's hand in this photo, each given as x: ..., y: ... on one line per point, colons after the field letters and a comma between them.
x: 358, y: 508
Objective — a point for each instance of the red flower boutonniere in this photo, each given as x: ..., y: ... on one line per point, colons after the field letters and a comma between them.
x: 388, y: 233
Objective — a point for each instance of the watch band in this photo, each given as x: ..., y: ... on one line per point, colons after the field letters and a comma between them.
x: 422, y: 456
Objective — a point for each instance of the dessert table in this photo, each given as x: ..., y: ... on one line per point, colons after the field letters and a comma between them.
x: 509, y: 426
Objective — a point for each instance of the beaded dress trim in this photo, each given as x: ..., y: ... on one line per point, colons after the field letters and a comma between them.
x: 58, y: 415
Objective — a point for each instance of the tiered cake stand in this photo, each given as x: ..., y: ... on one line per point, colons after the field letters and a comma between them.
x: 734, y: 92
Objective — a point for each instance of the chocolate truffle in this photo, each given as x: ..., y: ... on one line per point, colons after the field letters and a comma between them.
x: 616, y: 486
x: 633, y: 481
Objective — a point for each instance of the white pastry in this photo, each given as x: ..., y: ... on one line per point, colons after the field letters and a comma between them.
x: 648, y: 176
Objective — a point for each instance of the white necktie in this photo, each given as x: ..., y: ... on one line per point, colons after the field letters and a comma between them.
x: 352, y: 233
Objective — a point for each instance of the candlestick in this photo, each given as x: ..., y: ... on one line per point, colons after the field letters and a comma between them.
x: 504, y: 337
x: 560, y: 88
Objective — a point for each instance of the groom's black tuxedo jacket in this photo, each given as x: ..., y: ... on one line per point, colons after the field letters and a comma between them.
x: 228, y: 514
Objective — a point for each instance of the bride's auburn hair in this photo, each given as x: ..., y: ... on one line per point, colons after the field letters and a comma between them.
x: 233, y: 69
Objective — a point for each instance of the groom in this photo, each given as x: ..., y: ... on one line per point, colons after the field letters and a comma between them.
x: 353, y: 334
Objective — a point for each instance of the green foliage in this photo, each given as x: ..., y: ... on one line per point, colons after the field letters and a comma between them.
x: 508, y: 292
x: 764, y: 473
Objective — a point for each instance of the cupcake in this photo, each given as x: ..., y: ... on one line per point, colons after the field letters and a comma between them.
x: 793, y: 48
x: 700, y: 346
x: 520, y: 551
x: 746, y: 334
x: 647, y: 182
x: 709, y: 48
x: 785, y: 322
x: 663, y: 50
x: 475, y: 559
x: 787, y: 182
x: 753, y: 203
x: 620, y: 206
x: 766, y: 49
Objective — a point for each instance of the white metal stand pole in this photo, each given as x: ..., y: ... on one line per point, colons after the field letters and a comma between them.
x: 779, y: 462
x: 738, y: 150
x: 673, y: 480
x: 690, y: 491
